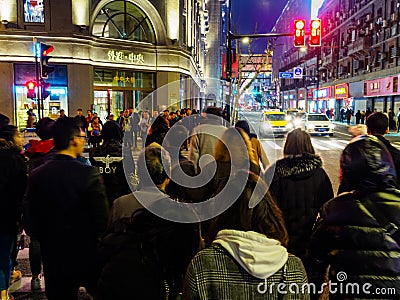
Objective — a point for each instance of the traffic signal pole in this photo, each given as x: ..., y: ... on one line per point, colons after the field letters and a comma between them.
x: 38, y: 94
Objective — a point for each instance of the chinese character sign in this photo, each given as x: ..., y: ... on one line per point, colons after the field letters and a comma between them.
x: 34, y: 11
x: 120, y: 56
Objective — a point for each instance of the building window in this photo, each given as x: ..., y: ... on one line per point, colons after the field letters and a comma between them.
x: 34, y: 11
x: 123, y: 20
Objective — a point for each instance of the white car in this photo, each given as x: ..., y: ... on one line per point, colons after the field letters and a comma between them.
x: 318, y: 124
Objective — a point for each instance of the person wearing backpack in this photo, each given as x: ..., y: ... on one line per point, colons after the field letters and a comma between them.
x: 149, y: 253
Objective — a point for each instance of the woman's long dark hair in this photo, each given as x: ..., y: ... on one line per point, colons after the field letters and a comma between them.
x: 265, y: 217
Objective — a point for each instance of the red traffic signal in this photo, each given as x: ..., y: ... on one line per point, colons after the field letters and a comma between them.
x: 299, y: 33
x: 31, y: 87
x: 46, y: 49
x: 315, y: 32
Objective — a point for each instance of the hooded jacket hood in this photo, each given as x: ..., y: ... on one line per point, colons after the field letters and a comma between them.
x: 8, y: 146
x: 366, y: 165
x: 40, y: 147
x: 299, y: 166
x: 260, y: 256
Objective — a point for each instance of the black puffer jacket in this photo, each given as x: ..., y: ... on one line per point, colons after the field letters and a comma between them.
x: 347, y: 236
x: 13, y: 177
x: 300, y: 187
x: 395, y: 155
x: 109, y: 160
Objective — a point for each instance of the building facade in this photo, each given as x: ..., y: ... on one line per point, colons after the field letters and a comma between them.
x: 108, y: 54
x: 358, y: 63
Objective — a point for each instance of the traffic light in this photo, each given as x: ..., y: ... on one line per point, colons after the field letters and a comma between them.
x: 45, y: 90
x: 45, y: 69
x: 31, y: 87
x: 299, y: 33
x: 315, y: 33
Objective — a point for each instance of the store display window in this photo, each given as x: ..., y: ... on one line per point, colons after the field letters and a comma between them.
x: 34, y: 11
x: 57, y: 99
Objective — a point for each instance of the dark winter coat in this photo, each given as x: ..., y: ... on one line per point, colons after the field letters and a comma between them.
x: 347, y: 236
x: 66, y: 198
x: 110, y: 162
x: 395, y: 155
x: 12, y: 186
x: 349, y: 239
x: 300, y: 187
x: 81, y: 122
x: 150, y: 256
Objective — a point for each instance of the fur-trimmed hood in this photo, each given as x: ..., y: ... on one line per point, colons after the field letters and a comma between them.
x: 299, y: 166
x: 8, y: 146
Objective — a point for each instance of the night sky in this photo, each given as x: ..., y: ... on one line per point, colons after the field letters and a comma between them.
x: 255, y: 16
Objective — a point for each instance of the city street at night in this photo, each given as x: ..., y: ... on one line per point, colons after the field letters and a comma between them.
x: 199, y: 149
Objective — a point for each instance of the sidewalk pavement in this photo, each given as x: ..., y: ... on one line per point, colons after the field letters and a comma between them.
x: 392, y: 133
x: 21, y: 289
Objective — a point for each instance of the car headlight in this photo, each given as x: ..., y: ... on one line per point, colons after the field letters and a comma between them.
x: 332, y: 126
x: 311, y: 126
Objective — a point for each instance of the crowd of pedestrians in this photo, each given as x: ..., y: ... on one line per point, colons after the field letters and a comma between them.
x: 285, y: 229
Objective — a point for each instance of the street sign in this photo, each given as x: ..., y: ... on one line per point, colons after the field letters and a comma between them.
x: 286, y: 75
x: 298, y: 72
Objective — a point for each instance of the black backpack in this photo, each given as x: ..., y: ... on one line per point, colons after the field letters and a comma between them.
x: 146, y: 259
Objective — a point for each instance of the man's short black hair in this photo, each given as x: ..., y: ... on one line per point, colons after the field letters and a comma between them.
x: 44, y: 128
x: 213, y: 110
x: 377, y: 123
x: 64, y: 131
x: 79, y: 109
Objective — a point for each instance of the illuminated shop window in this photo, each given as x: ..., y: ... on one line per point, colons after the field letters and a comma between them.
x: 123, y: 20
x: 34, y: 11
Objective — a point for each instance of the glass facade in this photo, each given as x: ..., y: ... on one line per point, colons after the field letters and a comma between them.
x: 116, y: 90
x: 123, y: 20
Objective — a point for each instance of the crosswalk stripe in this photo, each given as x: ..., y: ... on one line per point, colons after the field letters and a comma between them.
x: 343, y: 141
x: 333, y: 144
x: 318, y: 146
x: 272, y: 145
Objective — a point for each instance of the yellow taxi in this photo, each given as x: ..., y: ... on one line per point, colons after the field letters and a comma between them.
x: 274, y: 123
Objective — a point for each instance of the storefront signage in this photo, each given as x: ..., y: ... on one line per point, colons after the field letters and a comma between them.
x: 124, y: 79
x: 382, y: 86
x: 341, y: 91
x: 121, y: 56
x: 322, y: 93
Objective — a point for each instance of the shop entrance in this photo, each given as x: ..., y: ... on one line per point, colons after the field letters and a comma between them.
x: 112, y: 101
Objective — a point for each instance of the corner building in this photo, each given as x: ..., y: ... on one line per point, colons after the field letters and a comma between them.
x: 108, y: 54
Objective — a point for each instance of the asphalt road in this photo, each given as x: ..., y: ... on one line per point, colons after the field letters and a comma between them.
x: 329, y: 148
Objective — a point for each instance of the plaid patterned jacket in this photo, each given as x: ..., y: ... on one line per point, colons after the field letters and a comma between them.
x: 214, y: 274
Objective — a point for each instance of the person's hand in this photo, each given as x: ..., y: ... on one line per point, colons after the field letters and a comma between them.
x: 359, y: 129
